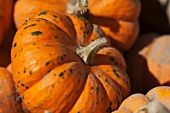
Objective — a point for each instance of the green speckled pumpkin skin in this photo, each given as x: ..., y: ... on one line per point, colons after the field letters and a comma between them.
x: 49, y: 74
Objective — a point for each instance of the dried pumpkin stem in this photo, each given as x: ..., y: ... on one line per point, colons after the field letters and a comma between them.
x: 87, y: 53
x: 153, y: 107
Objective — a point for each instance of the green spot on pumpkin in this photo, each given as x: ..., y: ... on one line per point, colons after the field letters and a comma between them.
x: 15, y: 44
x: 36, y: 33
x: 24, y: 70
x: 54, y: 16
x: 61, y: 74
x: 42, y: 13
x: 29, y: 26
x: 30, y: 72
x: 97, y: 90
x: 47, y: 63
x: 108, y: 53
x: 71, y: 70
x: 112, y: 59
x: 22, y: 84
x: 55, y: 36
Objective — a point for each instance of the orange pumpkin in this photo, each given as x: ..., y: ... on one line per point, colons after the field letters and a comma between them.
x: 6, y: 11
x: 118, y: 19
x: 53, y: 71
x: 27, y: 8
x: 148, y: 62
x: 8, y: 94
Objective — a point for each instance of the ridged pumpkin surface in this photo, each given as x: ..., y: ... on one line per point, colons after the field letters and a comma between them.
x: 50, y: 75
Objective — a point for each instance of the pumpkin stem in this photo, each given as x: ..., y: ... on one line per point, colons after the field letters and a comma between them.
x: 77, y: 6
x: 87, y: 53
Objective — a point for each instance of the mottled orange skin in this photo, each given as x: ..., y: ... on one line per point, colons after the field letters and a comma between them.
x: 148, y: 62
x: 27, y: 8
x: 134, y: 102
x: 50, y: 75
x: 6, y: 20
x: 160, y: 93
x: 8, y: 94
x: 118, y: 19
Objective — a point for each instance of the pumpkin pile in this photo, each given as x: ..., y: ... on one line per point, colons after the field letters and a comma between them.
x: 84, y: 56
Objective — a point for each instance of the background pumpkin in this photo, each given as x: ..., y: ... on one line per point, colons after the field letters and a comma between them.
x: 155, y: 101
x: 118, y: 19
x: 44, y: 62
x: 27, y: 8
x: 121, y: 27
x: 6, y: 17
x: 160, y: 93
x: 148, y: 62
x: 8, y: 95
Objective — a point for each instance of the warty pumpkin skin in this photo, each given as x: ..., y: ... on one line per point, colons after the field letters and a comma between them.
x: 148, y: 62
x: 8, y: 94
x: 27, y: 8
x: 50, y: 74
x: 6, y: 12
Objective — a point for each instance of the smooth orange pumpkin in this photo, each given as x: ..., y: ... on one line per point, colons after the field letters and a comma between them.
x: 27, y: 8
x: 148, y: 62
x: 8, y: 94
x: 6, y: 20
x: 49, y: 72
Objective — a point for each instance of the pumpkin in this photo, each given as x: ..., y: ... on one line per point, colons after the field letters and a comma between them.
x: 161, y: 94
x: 156, y: 100
x: 27, y: 8
x: 118, y: 19
x: 134, y: 102
x: 6, y: 21
x: 148, y: 62
x: 53, y: 71
x: 8, y: 95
